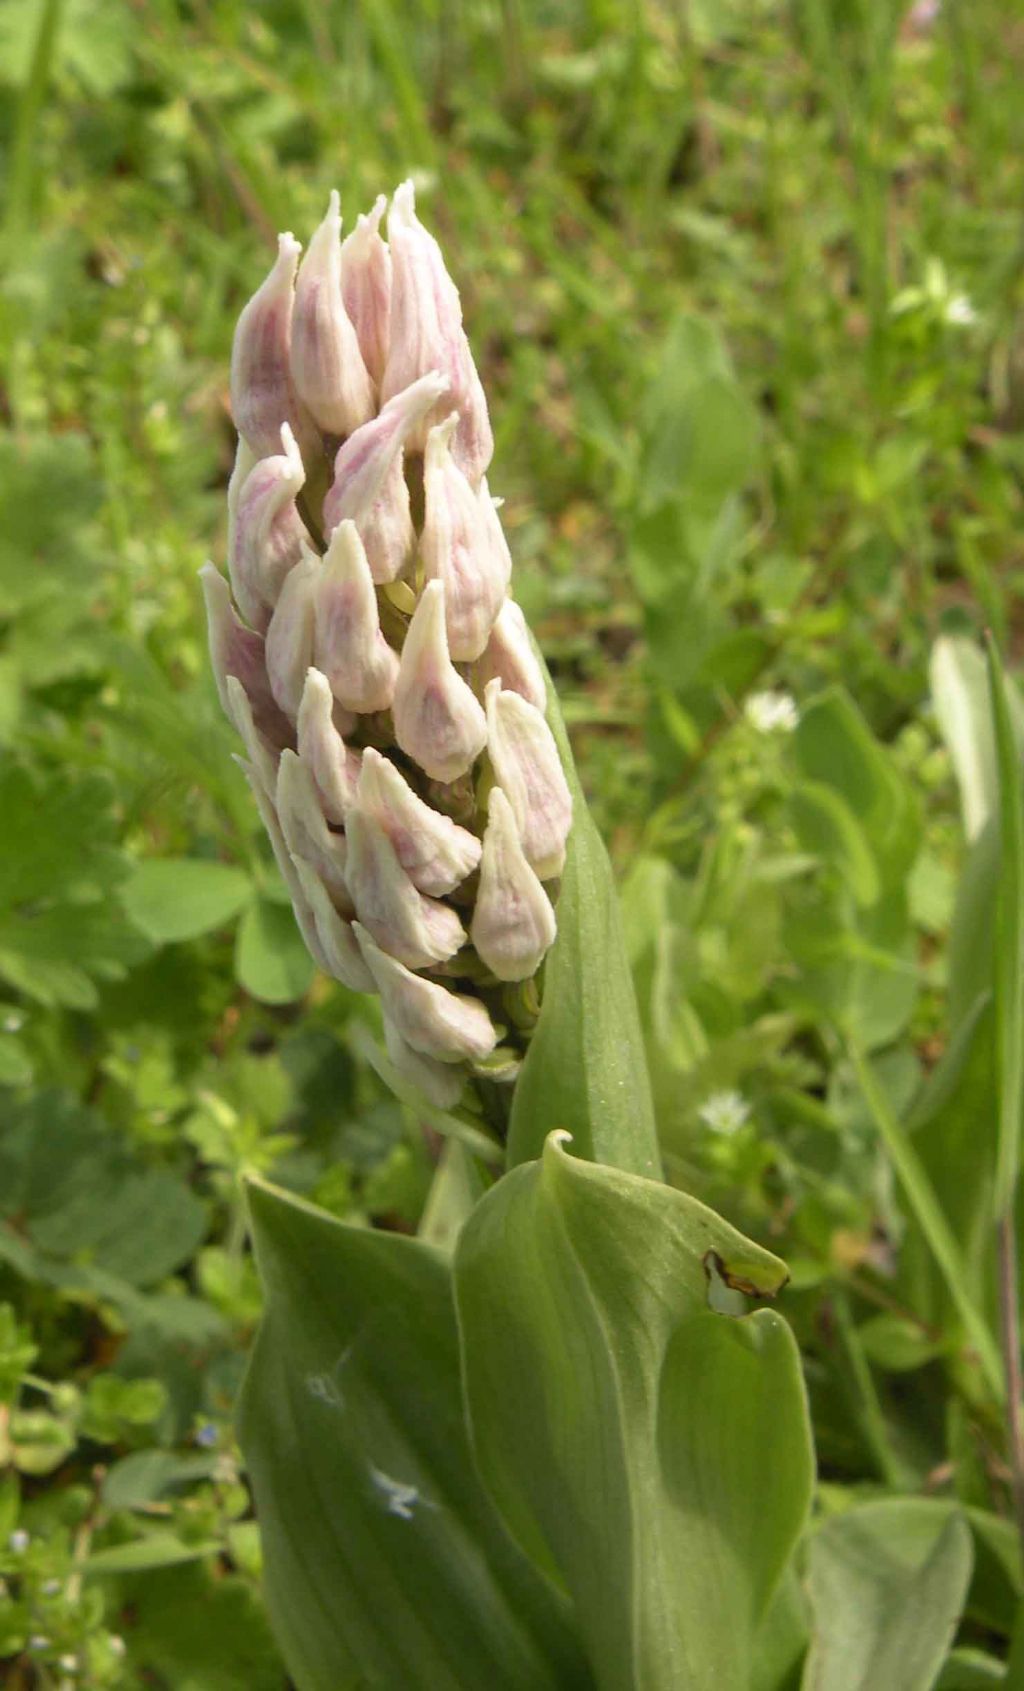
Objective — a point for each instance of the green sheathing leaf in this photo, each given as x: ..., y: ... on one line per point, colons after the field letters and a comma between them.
x: 1009, y: 940
x: 586, y: 1071
x: 654, y: 1455
x: 385, y: 1562
x: 887, y: 1583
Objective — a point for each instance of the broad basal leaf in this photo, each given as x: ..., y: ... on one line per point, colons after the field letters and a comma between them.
x: 887, y: 1583
x: 586, y: 1070
x: 386, y: 1564
x: 654, y: 1455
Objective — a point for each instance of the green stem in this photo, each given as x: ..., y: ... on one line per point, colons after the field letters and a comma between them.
x: 928, y: 1213
x: 24, y: 148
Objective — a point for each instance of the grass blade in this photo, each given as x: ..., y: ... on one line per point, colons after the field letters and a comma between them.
x: 1009, y: 941
x: 928, y: 1213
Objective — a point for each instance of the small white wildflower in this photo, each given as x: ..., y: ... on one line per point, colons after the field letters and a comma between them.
x: 68, y: 1663
x: 772, y: 713
x: 50, y: 1587
x: 18, y: 1541
x: 39, y: 1641
x: 117, y: 1644
x: 960, y: 312
x: 725, y: 1112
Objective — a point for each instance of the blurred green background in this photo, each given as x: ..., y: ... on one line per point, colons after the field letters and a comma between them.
x: 745, y: 282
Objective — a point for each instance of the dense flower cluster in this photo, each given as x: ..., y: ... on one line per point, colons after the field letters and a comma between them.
x: 381, y: 678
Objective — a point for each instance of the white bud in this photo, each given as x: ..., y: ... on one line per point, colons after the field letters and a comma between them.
x: 441, y: 1084
x: 434, y: 851
x: 513, y: 922
x: 333, y: 765
x: 267, y: 533
x: 240, y: 651
x: 342, y: 957
x: 462, y: 545
x: 300, y: 904
x: 263, y: 394
x: 369, y: 486
x: 509, y: 657
x: 327, y: 365
x: 305, y: 832
x: 438, y: 719
x: 366, y: 287
x: 434, y: 1021
x: 262, y: 755
x: 290, y: 635
x: 427, y: 334
x: 417, y: 930
x: 527, y: 767
x: 350, y: 648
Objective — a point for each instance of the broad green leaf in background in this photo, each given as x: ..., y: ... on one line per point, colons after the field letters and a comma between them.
x: 826, y: 825
x: 586, y: 1070
x: 386, y: 1564
x: 176, y: 898
x: 271, y: 960
x: 62, y: 927
x: 887, y: 1583
x: 835, y: 746
x: 654, y: 1455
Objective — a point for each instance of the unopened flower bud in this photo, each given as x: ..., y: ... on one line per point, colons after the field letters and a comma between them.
x: 285, y: 863
x: 442, y: 1024
x: 463, y: 546
x: 509, y: 658
x: 427, y: 334
x: 240, y: 651
x: 331, y: 378
x: 333, y: 765
x: 434, y: 851
x: 267, y: 533
x: 263, y: 393
x: 290, y: 635
x: 262, y: 755
x: 418, y: 931
x: 438, y: 719
x: 366, y: 288
x: 527, y: 767
x: 513, y: 922
x: 441, y: 1084
x: 305, y: 832
x: 350, y: 648
x: 369, y: 487
x: 342, y: 956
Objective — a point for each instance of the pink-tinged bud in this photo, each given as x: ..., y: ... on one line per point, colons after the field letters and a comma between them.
x: 369, y: 486
x: 331, y: 378
x: 267, y: 534
x: 441, y: 1084
x: 333, y: 765
x: 438, y: 719
x: 303, y: 912
x: 527, y: 767
x: 350, y: 648
x: 513, y: 922
x: 239, y: 651
x: 263, y: 394
x: 290, y: 635
x: 434, y: 1021
x: 306, y: 833
x: 434, y: 851
x: 342, y: 957
x: 427, y: 334
x: 263, y: 757
x: 417, y: 930
x: 366, y: 288
x: 509, y: 658
x: 463, y: 546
